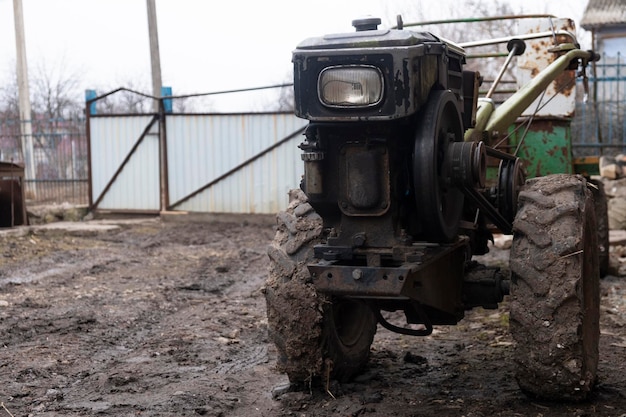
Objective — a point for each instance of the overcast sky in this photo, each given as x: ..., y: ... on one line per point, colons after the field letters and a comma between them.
x: 205, y: 45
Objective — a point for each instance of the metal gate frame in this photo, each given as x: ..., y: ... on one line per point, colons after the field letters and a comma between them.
x: 156, y: 125
x: 95, y: 201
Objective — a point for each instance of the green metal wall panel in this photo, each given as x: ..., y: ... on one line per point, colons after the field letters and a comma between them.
x: 546, y: 148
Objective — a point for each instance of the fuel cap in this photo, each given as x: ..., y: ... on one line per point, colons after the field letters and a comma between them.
x: 366, y: 23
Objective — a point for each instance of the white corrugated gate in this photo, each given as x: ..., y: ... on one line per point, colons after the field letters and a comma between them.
x: 124, y: 159
x: 215, y: 163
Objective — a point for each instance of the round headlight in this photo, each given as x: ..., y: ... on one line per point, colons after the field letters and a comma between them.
x: 350, y: 86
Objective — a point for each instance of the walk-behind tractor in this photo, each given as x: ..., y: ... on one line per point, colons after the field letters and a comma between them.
x: 396, y: 200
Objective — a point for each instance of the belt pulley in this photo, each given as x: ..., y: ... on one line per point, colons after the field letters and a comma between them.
x: 439, y: 203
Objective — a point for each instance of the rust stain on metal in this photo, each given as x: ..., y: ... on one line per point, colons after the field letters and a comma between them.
x: 543, y: 125
x: 539, y: 54
x: 565, y: 83
x: 540, y: 46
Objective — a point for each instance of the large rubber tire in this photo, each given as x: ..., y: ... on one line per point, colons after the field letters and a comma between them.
x: 316, y: 336
x: 555, y: 294
x: 602, y: 221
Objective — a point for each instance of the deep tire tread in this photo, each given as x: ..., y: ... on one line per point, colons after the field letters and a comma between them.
x: 299, y: 318
x: 554, y: 289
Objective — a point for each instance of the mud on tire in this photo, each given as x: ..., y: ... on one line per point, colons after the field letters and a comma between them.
x: 602, y: 222
x: 316, y: 336
x: 555, y: 289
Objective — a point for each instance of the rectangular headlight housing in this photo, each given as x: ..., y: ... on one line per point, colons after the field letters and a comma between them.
x: 350, y: 86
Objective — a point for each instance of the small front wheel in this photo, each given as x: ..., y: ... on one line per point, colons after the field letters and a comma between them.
x: 349, y: 328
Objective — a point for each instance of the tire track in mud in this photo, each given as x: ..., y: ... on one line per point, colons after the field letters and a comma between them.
x: 245, y: 359
x: 62, y: 264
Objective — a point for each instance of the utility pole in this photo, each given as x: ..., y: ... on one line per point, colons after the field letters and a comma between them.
x: 155, y: 59
x: 23, y: 92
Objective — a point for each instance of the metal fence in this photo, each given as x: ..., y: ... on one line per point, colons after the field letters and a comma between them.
x: 208, y: 163
x: 599, y: 127
x: 59, y: 156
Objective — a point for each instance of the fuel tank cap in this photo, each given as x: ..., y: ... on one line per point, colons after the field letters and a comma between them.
x: 366, y: 23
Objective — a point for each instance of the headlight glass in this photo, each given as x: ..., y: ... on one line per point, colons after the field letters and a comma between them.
x: 350, y: 86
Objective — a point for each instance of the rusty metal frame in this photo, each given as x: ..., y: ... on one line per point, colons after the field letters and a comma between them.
x: 433, y: 273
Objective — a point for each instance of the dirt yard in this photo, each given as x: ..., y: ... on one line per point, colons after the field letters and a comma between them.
x: 167, y: 318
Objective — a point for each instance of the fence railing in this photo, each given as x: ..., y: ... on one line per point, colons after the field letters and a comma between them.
x: 59, y: 155
x: 599, y: 127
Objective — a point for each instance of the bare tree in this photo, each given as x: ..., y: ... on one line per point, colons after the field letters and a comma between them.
x: 192, y: 103
x: 135, y: 97
x: 286, y: 99
x: 280, y: 98
x: 10, y: 149
x: 56, y: 92
x: 57, y: 108
x: 137, y: 100
x: 9, y: 103
x: 56, y: 113
x: 468, y: 27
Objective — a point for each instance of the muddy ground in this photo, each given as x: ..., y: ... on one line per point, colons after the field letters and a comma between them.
x: 167, y: 318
